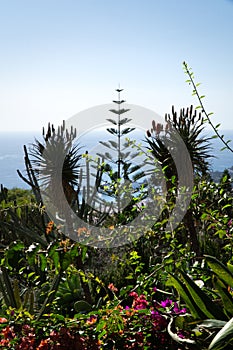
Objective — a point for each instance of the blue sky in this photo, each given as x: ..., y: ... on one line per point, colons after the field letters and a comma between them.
x: 60, y: 57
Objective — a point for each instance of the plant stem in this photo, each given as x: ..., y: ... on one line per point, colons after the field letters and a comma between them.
x: 190, y: 75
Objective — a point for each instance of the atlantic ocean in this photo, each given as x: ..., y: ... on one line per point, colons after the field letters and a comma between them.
x: 12, y: 152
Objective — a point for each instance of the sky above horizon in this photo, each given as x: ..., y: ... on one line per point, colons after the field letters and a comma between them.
x: 61, y: 57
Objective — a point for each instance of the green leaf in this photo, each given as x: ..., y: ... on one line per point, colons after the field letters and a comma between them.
x: 230, y: 267
x: 16, y: 246
x: 102, y: 334
x: 66, y: 261
x: 220, y: 270
x: 225, y: 296
x: 223, y: 337
x: 220, y: 233
x: 208, y: 307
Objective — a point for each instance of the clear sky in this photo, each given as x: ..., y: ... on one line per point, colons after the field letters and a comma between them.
x: 59, y: 57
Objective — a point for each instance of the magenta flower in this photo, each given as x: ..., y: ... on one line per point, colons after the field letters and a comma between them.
x: 166, y: 303
x: 177, y: 310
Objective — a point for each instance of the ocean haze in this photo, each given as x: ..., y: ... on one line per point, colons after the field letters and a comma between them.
x: 12, y: 153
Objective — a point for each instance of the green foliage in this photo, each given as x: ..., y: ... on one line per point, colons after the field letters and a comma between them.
x: 66, y: 293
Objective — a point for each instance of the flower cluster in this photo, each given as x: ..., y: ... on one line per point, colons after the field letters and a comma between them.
x: 143, y: 323
x: 139, y: 302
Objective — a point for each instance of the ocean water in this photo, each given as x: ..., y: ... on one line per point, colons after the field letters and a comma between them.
x: 12, y: 154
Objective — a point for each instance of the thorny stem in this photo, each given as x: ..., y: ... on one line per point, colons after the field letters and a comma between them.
x: 191, y: 80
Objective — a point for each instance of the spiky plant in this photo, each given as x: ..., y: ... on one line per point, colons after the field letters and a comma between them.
x: 189, y: 126
x: 57, y: 153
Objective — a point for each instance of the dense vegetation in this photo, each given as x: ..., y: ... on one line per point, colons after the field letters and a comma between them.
x: 166, y: 289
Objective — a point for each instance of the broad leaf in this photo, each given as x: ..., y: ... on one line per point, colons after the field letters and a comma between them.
x: 208, y: 307
x: 186, y: 296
